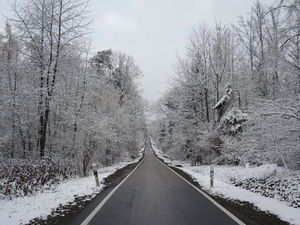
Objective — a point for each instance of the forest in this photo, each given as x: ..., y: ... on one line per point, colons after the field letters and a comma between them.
x: 223, y: 139
x: 233, y: 101
x: 62, y: 105
x: 234, y: 98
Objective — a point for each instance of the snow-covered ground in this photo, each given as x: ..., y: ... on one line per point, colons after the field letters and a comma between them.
x: 160, y: 154
x: 21, y: 210
x: 224, y: 187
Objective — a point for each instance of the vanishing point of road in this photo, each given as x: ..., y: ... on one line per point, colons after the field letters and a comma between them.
x: 154, y: 195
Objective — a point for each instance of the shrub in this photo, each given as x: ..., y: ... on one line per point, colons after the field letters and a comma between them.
x: 20, y: 177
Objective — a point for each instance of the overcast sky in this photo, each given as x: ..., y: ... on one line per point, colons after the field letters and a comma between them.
x: 154, y: 31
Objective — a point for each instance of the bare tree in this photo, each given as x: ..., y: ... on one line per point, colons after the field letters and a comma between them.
x: 219, y: 57
x: 48, y: 29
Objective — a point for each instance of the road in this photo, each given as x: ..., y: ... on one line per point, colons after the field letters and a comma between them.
x: 154, y: 195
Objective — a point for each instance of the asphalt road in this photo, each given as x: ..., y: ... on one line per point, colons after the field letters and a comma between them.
x: 154, y: 195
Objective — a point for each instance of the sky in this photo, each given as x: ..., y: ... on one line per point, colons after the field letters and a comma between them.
x: 154, y: 32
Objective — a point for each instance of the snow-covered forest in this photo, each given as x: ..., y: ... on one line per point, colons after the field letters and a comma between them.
x: 235, y: 94
x: 62, y: 104
x: 234, y: 105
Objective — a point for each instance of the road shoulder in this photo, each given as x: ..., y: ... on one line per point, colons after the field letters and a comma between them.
x: 76, y: 211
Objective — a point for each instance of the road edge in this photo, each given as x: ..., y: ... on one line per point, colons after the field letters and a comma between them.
x: 233, y: 217
x: 242, y: 210
x: 107, y: 197
x: 65, y: 213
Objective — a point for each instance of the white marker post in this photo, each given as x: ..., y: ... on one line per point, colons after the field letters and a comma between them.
x: 212, y: 173
x: 96, y: 174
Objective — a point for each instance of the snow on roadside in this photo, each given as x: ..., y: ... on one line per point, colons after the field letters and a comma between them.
x: 160, y: 154
x: 224, y: 188
x: 21, y: 210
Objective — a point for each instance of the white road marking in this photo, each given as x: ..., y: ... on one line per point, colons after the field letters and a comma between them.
x: 96, y: 210
x: 237, y: 220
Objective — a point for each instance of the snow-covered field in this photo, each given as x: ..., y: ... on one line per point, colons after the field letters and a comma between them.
x: 21, y: 210
x: 224, y: 186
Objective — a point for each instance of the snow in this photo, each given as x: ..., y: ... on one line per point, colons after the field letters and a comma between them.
x: 21, y: 210
x: 235, y: 116
x: 160, y: 154
x: 225, y: 98
x: 224, y: 188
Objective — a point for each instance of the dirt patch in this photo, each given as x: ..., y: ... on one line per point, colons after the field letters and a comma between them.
x: 65, y: 213
x: 245, y: 211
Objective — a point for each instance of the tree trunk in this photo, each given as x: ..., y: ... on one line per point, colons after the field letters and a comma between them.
x: 206, y: 104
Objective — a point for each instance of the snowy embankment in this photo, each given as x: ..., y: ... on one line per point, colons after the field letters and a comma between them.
x: 23, y: 209
x: 228, y: 183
